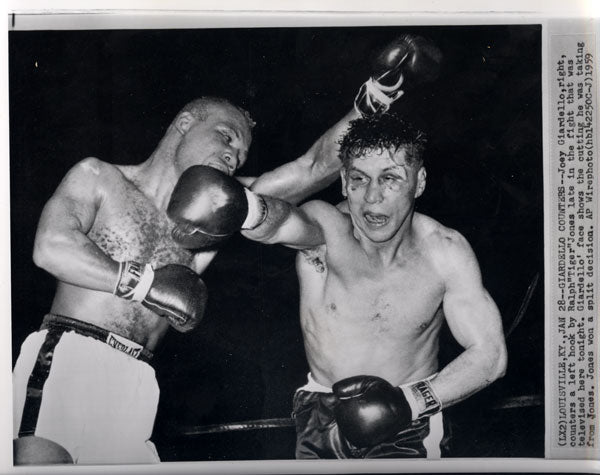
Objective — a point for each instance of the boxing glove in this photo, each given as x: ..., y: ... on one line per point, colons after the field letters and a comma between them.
x: 369, y: 410
x: 405, y: 62
x: 174, y: 292
x: 208, y: 206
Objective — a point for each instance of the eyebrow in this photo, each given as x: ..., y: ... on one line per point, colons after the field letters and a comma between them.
x: 385, y: 170
x: 390, y: 169
x: 354, y: 169
x: 234, y: 128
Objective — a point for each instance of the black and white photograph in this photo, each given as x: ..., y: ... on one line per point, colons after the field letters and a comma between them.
x: 276, y: 243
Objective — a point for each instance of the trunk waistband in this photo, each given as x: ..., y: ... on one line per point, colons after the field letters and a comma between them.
x: 114, y: 340
x: 316, y: 387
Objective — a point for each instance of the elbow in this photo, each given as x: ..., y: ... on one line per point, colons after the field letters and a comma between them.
x: 44, y: 250
x: 40, y: 253
x: 500, y: 362
x: 492, y: 360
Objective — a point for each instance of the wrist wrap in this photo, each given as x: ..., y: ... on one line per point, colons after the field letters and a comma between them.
x: 257, y: 210
x: 373, y: 97
x: 134, y: 281
x: 422, y: 399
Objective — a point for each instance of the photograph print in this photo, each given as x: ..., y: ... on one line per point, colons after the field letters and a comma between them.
x: 276, y: 243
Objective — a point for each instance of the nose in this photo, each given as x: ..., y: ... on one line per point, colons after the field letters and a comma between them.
x: 232, y: 160
x: 374, y: 193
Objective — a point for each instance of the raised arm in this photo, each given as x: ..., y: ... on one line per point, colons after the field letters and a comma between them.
x: 313, y: 171
x: 406, y: 61
x: 475, y: 323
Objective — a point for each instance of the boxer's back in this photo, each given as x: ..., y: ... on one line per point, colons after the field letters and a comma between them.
x: 127, y: 226
x: 361, y: 317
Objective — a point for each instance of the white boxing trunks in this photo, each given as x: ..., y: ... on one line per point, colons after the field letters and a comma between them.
x: 98, y: 402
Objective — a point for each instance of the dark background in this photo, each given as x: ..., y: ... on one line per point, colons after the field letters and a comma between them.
x: 111, y: 94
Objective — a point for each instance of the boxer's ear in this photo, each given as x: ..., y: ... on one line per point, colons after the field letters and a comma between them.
x: 184, y: 122
x: 421, y: 181
x: 343, y: 177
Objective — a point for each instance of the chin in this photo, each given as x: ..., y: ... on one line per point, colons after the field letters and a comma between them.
x: 378, y: 236
x: 381, y: 239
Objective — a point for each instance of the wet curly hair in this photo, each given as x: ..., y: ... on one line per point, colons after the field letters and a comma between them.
x: 382, y: 132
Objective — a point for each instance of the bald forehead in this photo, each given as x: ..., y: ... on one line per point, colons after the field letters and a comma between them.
x: 230, y: 114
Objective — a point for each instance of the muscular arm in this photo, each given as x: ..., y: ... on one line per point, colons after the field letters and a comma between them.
x: 291, y: 226
x: 61, y: 245
x: 318, y: 167
x: 313, y: 171
x: 475, y: 323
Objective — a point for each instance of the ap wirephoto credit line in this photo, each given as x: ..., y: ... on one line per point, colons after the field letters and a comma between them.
x: 572, y: 71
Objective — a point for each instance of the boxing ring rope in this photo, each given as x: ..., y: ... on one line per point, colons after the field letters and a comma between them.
x: 528, y: 400
x: 516, y: 402
x: 524, y: 304
x: 238, y: 426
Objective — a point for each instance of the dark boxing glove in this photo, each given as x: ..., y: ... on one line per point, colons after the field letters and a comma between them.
x: 208, y: 206
x: 406, y: 62
x: 370, y: 410
x: 174, y: 291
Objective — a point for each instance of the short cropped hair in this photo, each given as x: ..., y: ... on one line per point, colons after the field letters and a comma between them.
x: 199, y: 108
x: 382, y: 132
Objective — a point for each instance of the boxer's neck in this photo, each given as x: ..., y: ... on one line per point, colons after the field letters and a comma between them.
x: 383, y: 254
x: 158, y: 174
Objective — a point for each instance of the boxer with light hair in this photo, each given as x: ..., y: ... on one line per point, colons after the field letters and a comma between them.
x: 84, y: 390
x: 377, y: 281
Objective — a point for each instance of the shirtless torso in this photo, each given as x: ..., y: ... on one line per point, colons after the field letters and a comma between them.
x: 361, y: 318
x: 107, y: 221
x: 127, y: 225
x: 377, y: 280
x: 102, y: 214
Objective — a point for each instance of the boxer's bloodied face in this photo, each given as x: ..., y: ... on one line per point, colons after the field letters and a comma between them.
x: 221, y: 140
x: 381, y: 187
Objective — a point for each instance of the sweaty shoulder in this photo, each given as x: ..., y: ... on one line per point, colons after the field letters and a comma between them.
x: 448, y: 249
x: 92, y: 169
x: 87, y: 178
x: 325, y: 214
x: 95, y: 166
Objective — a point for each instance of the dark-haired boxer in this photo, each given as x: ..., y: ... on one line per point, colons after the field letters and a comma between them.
x: 376, y: 283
